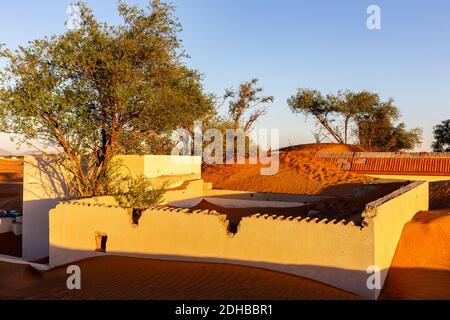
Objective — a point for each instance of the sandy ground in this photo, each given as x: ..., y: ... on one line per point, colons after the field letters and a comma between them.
x: 324, y: 147
x: 299, y: 173
x: 11, y: 170
x: 11, y: 178
x: 130, y: 278
x: 421, y: 265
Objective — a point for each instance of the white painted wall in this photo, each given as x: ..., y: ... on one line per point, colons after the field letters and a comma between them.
x: 43, y: 188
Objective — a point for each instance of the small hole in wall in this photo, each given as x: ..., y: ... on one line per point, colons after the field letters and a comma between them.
x: 136, y: 215
x: 100, y: 242
x: 233, y: 227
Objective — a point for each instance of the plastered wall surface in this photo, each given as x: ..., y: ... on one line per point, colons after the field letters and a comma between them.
x: 44, y: 187
x: 391, y: 214
x: 156, y: 166
x: 328, y: 251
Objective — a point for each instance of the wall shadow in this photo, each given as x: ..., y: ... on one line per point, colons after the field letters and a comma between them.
x: 44, y: 186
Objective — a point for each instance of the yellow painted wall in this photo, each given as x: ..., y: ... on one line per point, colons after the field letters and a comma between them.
x: 192, y: 189
x: 156, y: 166
x: 390, y: 218
x: 333, y: 253
x: 337, y: 254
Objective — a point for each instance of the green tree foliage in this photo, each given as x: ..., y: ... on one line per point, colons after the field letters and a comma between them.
x: 442, y: 137
x: 358, y: 115
x: 101, y: 90
x: 376, y: 130
x: 138, y: 193
x: 313, y: 103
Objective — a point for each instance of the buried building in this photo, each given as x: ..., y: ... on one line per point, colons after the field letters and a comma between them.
x: 318, y: 237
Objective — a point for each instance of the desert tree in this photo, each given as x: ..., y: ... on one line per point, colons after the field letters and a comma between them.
x: 377, y: 130
x: 245, y: 106
x: 248, y: 98
x: 361, y: 117
x: 334, y: 114
x: 101, y: 90
x: 313, y: 103
x: 441, y: 134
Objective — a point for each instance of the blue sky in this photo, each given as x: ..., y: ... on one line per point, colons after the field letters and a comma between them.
x: 289, y: 44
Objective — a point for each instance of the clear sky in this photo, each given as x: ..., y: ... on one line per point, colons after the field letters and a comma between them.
x: 289, y: 44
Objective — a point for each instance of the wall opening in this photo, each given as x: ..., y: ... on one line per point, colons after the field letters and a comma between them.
x: 136, y: 215
x: 100, y: 242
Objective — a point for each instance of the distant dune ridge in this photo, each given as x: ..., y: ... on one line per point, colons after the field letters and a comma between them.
x: 299, y: 173
x: 324, y: 147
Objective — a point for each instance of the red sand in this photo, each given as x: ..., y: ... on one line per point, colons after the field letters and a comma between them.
x: 129, y: 278
x: 11, y: 187
x: 324, y: 147
x: 299, y: 173
x: 11, y: 170
x: 421, y: 265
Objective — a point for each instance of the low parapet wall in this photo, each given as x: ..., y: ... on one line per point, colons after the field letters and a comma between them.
x: 334, y: 252
x: 152, y: 166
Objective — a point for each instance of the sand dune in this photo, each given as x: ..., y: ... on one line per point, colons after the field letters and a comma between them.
x: 324, y: 147
x: 11, y: 170
x: 421, y: 265
x: 11, y: 177
x: 129, y: 278
x: 299, y: 173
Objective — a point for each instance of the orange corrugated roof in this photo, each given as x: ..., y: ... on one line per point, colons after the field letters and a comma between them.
x: 393, y: 165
